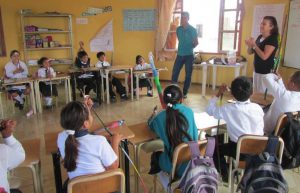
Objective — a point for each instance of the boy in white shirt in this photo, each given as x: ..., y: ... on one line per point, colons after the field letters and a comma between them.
x: 242, y: 117
x: 113, y: 81
x: 286, y: 98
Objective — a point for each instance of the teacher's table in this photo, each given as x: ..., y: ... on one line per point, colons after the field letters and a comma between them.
x: 51, y: 148
x: 237, y: 68
x: 21, y: 81
x: 52, y: 80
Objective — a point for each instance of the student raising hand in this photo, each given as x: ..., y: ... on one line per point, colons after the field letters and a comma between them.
x: 88, y: 101
x: 8, y: 126
x: 223, y: 88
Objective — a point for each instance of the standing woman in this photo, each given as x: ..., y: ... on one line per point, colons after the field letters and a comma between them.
x: 264, y: 50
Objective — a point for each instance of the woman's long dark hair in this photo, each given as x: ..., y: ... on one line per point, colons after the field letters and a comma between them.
x: 72, y: 117
x: 273, y: 22
x: 176, y: 123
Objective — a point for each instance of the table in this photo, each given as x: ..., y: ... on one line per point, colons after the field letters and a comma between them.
x: 138, y: 73
x: 30, y: 81
x: 112, y: 69
x: 260, y: 99
x: 51, y: 148
x: 237, y: 68
x: 64, y: 77
x: 74, y: 72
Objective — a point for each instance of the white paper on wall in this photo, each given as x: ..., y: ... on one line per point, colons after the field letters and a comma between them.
x: 276, y: 10
x: 103, y: 40
x: 82, y: 20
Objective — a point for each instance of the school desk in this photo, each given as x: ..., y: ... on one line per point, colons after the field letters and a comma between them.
x: 52, y: 80
x: 75, y: 72
x: 260, y: 99
x: 117, y: 69
x: 138, y: 73
x: 143, y: 134
x: 51, y: 148
x: 20, y: 81
x: 237, y: 68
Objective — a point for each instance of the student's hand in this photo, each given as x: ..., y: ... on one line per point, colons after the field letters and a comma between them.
x: 223, y: 88
x: 8, y: 126
x: 81, y: 44
x: 115, y: 139
x: 88, y: 101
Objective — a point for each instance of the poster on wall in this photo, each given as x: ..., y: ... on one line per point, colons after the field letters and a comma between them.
x: 103, y: 40
x: 91, y: 11
x: 276, y: 10
x: 139, y: 19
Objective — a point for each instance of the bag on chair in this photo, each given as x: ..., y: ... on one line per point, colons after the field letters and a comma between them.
x: 291, y: 137
x: 200, y: 175
x: 263, y: 172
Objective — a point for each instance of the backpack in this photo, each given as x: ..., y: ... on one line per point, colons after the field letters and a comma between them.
x: 291, y: 137
x: 200, y: 175
x: 263, y: 173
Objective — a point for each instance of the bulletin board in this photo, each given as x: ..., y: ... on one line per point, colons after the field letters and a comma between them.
x: 139, y: 19
x: 2, y: 40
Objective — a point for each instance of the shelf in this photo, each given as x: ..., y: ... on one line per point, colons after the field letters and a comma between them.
x: 47, y: 32
x: 44, y: 15
x: 54, y: 48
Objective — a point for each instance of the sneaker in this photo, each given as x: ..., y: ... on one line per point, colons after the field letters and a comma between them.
x: 21, y: 106
x: 113, y: 99
x: 17, y: 104
x: 124, y: 97
x: 149, y: 93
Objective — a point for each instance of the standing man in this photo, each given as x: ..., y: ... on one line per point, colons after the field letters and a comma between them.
x: 188, y: 40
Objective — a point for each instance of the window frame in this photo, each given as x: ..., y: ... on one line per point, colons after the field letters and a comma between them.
x: 2, y: 39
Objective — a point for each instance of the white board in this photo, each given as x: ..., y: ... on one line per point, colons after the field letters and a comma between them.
x: 260, y: 11
x: 103, y: 40
x: 292, y: 49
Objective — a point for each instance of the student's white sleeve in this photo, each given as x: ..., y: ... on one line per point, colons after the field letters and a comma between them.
x: 98, y: 65
x: 138, y: 67
x: 107, y: 154
x: 213, y: 109
x: 25, y: 72
x: 15, y: 153
x: 275, y: 86
x: 9, y: 72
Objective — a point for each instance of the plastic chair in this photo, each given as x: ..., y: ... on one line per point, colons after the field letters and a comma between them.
x: 250, y: 144
x: 108, y: 181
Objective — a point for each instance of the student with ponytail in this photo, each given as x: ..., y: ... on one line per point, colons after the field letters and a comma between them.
x: 173, y: 126
x: 82, y: 152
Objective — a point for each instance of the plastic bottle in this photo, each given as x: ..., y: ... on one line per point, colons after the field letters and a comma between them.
x: 115, y: 124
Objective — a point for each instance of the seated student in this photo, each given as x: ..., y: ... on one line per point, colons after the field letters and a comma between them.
x: 286, y: 98
x: 15, y: 69
x: 46, y: 88
x: 242, y: 117
x: 173, y: 126
x: 143, y: 80
x: 113, y: 81
x: 12, y: 153
x: 82, y: 152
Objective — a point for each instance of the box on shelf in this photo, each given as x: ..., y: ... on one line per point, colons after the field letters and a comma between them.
x: 30, y: 28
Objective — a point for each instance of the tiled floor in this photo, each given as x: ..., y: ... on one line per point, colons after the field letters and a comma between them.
x: 131, y: 111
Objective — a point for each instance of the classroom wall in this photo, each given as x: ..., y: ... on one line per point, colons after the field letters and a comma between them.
x: 126, y: 44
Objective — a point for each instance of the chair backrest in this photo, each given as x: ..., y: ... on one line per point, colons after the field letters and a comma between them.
x: 32, y: 150
x: 281, y: 123
x: 182, y: 154
x: 108, y: 181
x: 254, y: 144
x: 51, y: 142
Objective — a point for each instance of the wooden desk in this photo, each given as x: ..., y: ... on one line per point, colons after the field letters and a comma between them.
x: 20, y: 81
x: 138, y: 73
x: 260, y: 99
x: 51, y: 148
x: 237, y: 68
x: 64, y: 77
x: 115, y: 69
x: 74, y: 72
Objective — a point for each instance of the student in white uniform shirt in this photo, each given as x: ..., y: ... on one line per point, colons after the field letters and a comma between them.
x: 143, y: 80
x: 11, y: 151
x: 82, y: 152
x: 286, y: 98
x: 47, y: 88
x: 242, y: 117
x: 16, y: 69
x: 113, y: 81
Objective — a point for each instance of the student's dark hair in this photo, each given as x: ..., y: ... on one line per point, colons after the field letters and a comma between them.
x: 99, y: 54
x: 176, y: 123
x: 137, y: 58
x: 273, y: 22
x: 42, y: 60
x: 72, y: 117
x: 13, y: 52
x: 241, y: 88
x: 80, y: 54
x: 295, y: 78
x: 185, y: 13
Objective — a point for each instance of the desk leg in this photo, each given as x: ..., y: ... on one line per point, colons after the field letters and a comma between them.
x: 98, y: 85
x: 57, y: 172
x: 38, y: 97
x: 73, y: 84
x: 102, y: 89
x: 127, y: 171
x: 237, y: 71
x: 66, y: 91
x: 214, y: 77
x: 204, y: 79
x: 32, y: 98
x: 131, y: 81
x: 137, y: 87
x: 126, y: 83
x: 1, y: 105
x: 244, y: 68
x: 69, y: 90
x: 107, y: 87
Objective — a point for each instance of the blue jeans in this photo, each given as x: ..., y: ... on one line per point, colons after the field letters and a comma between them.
x: 188, y: 61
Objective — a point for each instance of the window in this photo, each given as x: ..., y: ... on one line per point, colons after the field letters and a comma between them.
x: 218, y: 23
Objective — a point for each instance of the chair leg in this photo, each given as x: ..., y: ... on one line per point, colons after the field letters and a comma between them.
x: 35, y: 179
x: 232, y: 181
x: 154, y: 183
x: 137, y: 164
x: 230, y: 172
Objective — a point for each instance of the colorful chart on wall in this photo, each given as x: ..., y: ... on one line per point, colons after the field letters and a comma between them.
x: 90, y: 11
x: 139, y: 19
x: 103, y: 40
